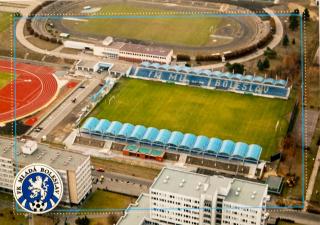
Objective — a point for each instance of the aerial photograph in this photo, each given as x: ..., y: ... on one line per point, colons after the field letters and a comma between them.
x: 159, y: 112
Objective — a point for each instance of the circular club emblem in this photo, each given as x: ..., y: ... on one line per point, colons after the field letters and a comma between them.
x: 38, y: 188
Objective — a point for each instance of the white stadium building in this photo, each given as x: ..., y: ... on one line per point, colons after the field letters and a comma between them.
x: 121, y: 50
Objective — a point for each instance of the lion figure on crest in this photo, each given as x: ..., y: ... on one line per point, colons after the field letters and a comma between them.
x: 39, y: 186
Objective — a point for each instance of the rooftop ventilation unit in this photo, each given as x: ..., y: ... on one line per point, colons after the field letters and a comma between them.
x: 183, y: 180
x: 238, y: 189
x: 29, y: 147
x: 181, y: 184
x: 165, y: 181
x: 252, y: 196
x: 167, y: 177
x: 237, y: 193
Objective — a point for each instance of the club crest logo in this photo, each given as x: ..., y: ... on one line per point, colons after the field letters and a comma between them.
x: 38, y: 188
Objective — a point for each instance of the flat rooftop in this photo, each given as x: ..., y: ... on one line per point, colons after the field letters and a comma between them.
x: 121, y: 67
x: 136, y: 213
x: 194, y: 185
x: 247, y: 193
x: 57, y: 158
x: 87, y: 63
x: 189, y: 183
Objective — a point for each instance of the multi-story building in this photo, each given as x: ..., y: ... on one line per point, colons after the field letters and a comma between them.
x: 182, y: 197
x: 74, y: 169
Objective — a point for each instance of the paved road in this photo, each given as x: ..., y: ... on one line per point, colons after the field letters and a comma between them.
x: 64, y: 109
x: 121, y: 183
x: 298, y: 216
x: 122, y: 177
x: 312, y: 179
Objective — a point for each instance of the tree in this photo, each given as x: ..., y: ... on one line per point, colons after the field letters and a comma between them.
x: 82, y: 221
x: 306, y: 14
x: 285, y: 41
x: 294, y: 20
x: 235, y: 68
x: 183, y: 57
x: 260, y: 65
x: 270, y: 53
x: 266, y: 63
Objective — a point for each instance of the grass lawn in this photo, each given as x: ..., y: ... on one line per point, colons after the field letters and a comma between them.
x: 177, y: 31
x: 4, y: 20
x: 287, y: 223
x: 8, y: 218
x: 108, y: 200
x: 5, y: 78
x: 195, y: 110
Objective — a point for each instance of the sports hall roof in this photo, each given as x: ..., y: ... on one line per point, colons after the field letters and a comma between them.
x: 173, y: 140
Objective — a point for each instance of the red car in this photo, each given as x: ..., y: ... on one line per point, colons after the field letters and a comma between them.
x: 100, y: 170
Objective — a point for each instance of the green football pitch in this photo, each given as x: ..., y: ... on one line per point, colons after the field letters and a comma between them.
x: 4, y: 20
x: 195, y: 110
x: 175, y: 31
x: 5, y: 78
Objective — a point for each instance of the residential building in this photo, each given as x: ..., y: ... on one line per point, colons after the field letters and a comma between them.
x: 182, y: 197
x: 74, y: 169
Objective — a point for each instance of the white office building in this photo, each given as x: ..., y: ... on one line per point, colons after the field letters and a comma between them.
x: 74, y: 169
x: 182, y: 197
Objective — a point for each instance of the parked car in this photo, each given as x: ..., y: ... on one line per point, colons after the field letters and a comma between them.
x: 100, y: 170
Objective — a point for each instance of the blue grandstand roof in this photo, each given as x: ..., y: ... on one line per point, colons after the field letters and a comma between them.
x: 138, y: 132
x: 240, y: 150
x: 150, y: 135
x: 226, y: 75
x: 214, y: 145
x: 258, y: 79
x: 164, y: 66
x: 188, y: 141
x: 254, y: 152
x: 216, y: 73
x: 201, y: 143
x: 126, y: 130
x: 247, y: 78
x: 185, y: 69
x: 176, y: 68
x: 194, y: 71
x: 102, y: 126
x: 114, y: 128
x: 226, y: 148
x: 163, y: 136
x: 237, y: 76
x: 205, y: 72
x: 154, y: 65
x: 175, y: 138
x: 269, y: 81
x: 90, y: 124
x: 145, y: 64
x: 281, y: 82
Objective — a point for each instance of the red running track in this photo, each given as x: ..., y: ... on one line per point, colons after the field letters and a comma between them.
x: 36, y: 87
